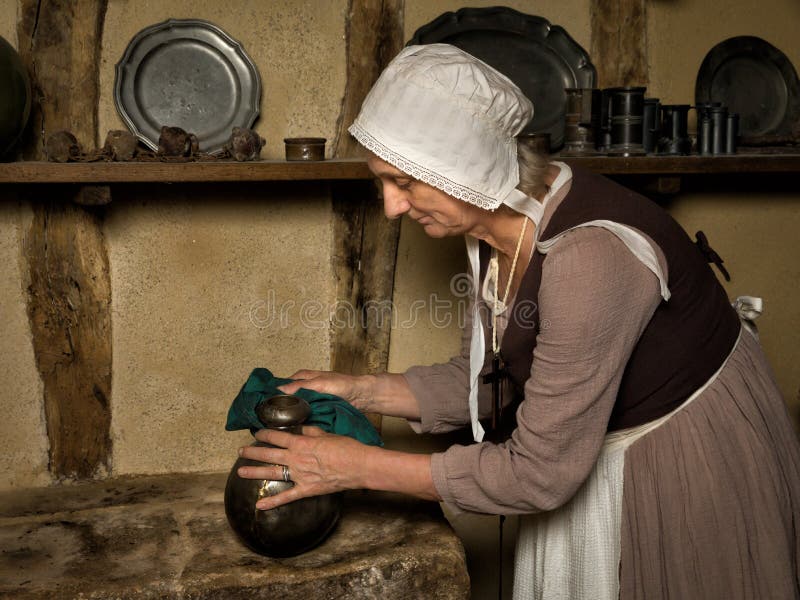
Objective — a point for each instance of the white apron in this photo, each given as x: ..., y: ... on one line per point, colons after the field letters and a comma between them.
x: 573, y: 552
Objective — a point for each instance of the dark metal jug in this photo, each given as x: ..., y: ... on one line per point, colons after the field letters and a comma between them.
x: 627, y: 118
x: 582, y: 121
x: 289, y: 529
x: 675, y: 138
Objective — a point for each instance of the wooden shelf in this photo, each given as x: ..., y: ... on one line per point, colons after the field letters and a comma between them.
x: 688, y: 165
x: 163, y: 172
x: 174, y: 172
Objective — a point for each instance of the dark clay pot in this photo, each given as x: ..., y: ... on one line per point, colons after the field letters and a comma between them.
x: 290, y: 529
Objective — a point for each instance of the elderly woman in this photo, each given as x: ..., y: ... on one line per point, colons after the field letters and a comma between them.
x: 652, y: 455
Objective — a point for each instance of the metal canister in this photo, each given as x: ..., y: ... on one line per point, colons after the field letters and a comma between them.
x: 731, y: 133
x: 719, y: 120
x: 674, y: 138
x: 582, y: 121
x: 651, y: 124
x: 704, y: 133
x: 627, y: 117
x: 604, y: 139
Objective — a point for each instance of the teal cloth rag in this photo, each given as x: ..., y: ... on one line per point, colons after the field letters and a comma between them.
x: 328, y: 412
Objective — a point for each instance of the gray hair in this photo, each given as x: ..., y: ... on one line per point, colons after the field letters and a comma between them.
x: 532, y: 167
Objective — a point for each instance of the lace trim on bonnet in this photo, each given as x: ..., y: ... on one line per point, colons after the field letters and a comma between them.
x: 422, y: 174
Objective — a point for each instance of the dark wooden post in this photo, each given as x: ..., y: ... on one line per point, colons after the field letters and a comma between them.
x: 69, y: 296
x: 619, y: 42
x: 365, y: 240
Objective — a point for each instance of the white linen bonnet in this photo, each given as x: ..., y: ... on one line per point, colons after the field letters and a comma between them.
x: 450, y: 120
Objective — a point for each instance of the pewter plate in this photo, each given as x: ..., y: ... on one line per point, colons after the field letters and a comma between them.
x: 186, y: 73
x: 755, y: 80
x: 542, y: 59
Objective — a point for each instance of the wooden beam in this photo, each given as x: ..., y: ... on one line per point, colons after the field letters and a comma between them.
x: 619, y: 42
x: 69, y: 302
x: 59, y: 40
x: 374, y: 32
x: 69, y: 296
x: 365, y: 241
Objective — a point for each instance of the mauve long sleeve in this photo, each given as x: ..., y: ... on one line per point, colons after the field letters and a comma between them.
x: 595, y: 300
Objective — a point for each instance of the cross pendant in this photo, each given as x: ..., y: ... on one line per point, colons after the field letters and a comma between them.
x: 496, y: 379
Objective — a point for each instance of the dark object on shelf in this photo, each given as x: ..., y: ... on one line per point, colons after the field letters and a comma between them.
x: 245, y: 144
x: 705, y: 127
x: 174, y: 141
x: 15, y: 99
x: 120, y: 145
x: 289, y: 529
x: 674, y: 138
x: 62, y: 147
x: 651, y: 124
x: 305, y: 148
x: 538, y: 142
x: 719, y: 127
x: 755, y: 80
x: 582, y: 121
x: 732, y: 134
x: 604, y: 141
x: 188, y: 73
x: 542, y: 59
x: 626, y: 113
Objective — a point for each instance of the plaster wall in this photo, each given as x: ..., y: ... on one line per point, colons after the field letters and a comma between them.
x: 23, y: 435
x: 754, y: 231
x: 23, y: 438
x: 205, y: 290
x: 199, y: 274
x: 8, y: 21
x: 298, y: 48
x: 208, y: 282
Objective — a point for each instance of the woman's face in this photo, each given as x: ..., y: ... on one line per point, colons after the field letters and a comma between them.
x: 439, y: 214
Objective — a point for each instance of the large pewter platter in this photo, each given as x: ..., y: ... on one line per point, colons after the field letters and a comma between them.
x: 186, y: 73
x: 755, y: 80
x: 541, y: 58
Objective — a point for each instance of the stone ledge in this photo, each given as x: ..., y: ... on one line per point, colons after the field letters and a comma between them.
x: 167, y: 537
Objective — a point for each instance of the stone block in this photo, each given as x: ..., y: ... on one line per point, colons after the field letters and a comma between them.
x: 167, y: 537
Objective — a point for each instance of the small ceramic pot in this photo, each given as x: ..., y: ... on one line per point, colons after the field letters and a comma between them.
x: 244, y: 144
x: 174, y: 141
x: 305, y: 148
x: 62, y: 147
x: 120, y: 145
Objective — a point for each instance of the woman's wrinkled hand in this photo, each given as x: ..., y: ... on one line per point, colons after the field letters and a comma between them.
x: 319, y: 463
x: 357, y: 390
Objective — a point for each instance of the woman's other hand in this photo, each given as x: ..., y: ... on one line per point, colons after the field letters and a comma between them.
x: 386, y: 394
x: 357, y: 390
